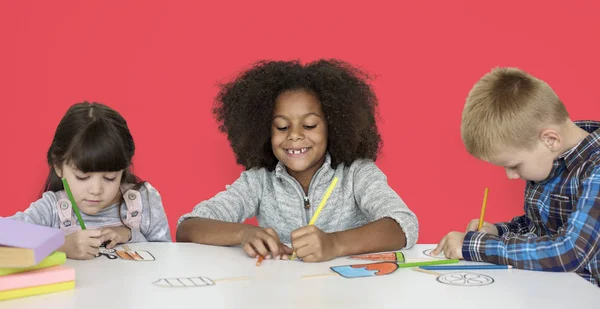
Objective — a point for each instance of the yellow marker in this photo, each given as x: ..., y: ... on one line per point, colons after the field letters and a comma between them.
x: 485, y: 194
x: 323, y: 201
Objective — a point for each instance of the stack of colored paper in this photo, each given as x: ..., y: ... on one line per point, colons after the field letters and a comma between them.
x: 29, y: 264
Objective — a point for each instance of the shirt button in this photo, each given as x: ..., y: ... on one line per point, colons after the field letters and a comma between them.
x: 64, y: 205
x: 135, y: 213
x: 67, y: 223
x: 131, y: 196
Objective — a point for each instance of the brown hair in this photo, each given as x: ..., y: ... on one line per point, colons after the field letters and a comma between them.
x: 94, y: 138
x: 506, y: 108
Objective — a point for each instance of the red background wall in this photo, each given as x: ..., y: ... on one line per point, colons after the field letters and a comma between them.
x: 158, y: 62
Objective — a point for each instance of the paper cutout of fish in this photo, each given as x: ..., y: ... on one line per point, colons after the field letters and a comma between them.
x: 366, y: 270
x: 397, y: 257
x: 184, y: 282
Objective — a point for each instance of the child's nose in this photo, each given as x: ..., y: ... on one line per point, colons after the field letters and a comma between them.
x: 295, y: 134
x: 95, y: 187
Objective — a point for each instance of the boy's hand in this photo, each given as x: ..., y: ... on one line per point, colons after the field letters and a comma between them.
x: 451, y: 245
x: 486, y: 228
x: 313, y: 245
x: 115, y: 235
x: 263, y: 241
x: 82, y: 245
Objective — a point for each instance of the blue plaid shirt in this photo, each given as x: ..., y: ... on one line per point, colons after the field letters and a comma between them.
x: 560, y: 230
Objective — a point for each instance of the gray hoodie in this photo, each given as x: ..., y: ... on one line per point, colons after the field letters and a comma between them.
x: 362, y: 195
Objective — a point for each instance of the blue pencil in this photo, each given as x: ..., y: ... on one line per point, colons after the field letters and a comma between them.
x: 465, y: 267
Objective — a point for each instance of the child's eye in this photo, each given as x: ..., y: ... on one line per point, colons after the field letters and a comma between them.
x: 81, y: 178
x: 310, y: 127
x: 110, y: 179
x: 282, y: 128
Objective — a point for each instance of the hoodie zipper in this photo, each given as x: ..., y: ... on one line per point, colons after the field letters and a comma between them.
x: 295, y: 184
x: 306, y: 200
x: 306, y: 203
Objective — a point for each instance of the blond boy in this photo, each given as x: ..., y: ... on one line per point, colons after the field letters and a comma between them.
x: 514, y: 120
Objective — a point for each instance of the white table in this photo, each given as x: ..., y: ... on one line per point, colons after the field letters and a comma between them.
x: 106, y: 284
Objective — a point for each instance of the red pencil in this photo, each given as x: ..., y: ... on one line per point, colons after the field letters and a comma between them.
x: 260, y: 259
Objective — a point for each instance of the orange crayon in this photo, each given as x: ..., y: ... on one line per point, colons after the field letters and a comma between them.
x: 260, y: 259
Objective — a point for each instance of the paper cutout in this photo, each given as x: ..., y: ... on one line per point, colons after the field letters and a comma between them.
x: 366, y: 270
x: 184, y: 282
x: 465, y: 279
x: 109, y: 253
x: 137, y: 255
x: 385, y: 256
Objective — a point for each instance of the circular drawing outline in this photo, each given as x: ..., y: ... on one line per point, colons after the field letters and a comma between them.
x: 465, y: 279
x: 427, y: 252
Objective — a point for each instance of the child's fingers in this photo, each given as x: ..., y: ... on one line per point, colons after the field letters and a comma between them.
x: 456, y: 253
x: 273, y: 242
x: 490, y: 228
x: 112, y: 244
x: 299, y: 244
x: 304, y: 251
x: 473, y: 225
x: 92, y: 233
x: 249, y: 250
x: 286, y: 250
x: 259, y: 247
x: 311, y: 258
x: 271, y: 232
x: 94, y: 242
x: 447, y: 252
x: 439, y: 247
x: 300, y: 232
x: 84, y: 256
x: 108, y: 234
x: 92, y: 251
x: 273, y: 246
x: 85, y: 253
x: 105, y: 238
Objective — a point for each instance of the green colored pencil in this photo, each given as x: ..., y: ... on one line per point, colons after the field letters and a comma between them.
x: 425, y: 263
x: 75, y: 208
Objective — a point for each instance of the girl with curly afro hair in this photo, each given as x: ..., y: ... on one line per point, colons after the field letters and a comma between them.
x: 295, y: 128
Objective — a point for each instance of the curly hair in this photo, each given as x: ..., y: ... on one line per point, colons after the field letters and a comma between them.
x: 244, y: 109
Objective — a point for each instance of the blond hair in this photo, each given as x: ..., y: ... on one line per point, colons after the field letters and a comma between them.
x: 506, y: 108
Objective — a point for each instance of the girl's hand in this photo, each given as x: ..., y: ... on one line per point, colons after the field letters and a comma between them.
x: 486, y: 228
x: 82, y: 245
x: 263, y: 241
x: 115, y: 235
x: 313, y: 245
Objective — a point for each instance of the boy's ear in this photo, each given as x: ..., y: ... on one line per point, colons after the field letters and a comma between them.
x: 551, y: 139
x: 58, y: 171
